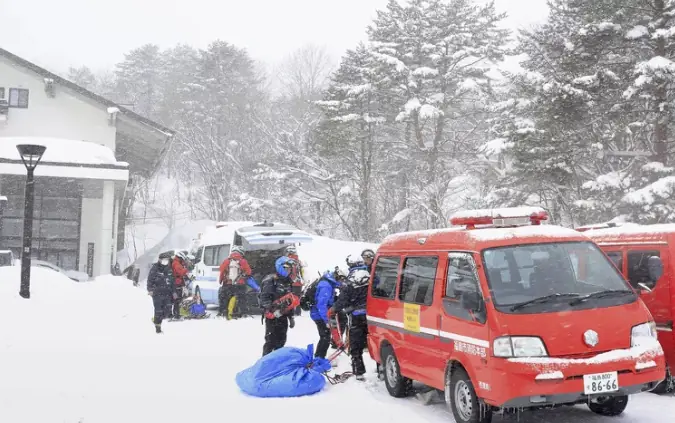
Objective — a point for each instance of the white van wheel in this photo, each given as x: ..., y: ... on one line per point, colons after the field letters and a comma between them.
x: 461, y: 399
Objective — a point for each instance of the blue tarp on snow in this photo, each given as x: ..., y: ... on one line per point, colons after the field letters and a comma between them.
x: 285, y: 373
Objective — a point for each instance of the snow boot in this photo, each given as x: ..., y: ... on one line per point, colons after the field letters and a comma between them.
x: 361, y: 378
x: 158, y: 329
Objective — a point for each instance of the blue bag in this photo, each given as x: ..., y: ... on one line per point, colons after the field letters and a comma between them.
x: 286, y: 372
x: 197, y: 309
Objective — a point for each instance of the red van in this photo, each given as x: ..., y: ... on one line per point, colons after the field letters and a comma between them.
x: 642, y: 253
x: 504, y: 312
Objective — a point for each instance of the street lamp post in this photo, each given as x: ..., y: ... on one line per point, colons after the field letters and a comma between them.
x: 31, y: 156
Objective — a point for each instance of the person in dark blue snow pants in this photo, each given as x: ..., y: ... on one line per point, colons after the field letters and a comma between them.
x: 323, y: 300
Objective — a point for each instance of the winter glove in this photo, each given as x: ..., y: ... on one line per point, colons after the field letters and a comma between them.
x: 291, y: 322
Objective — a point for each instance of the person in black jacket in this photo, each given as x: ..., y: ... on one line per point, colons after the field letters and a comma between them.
x: 277, y: 319
x: 368, y: 256
x: 352, y: 301
x: 160, y: 288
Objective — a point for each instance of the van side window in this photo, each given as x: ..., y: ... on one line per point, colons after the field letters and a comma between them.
x: 617, y: 259
x: 417, y: 281
x: 385, y: 277
x: 638, y: 272
x: 462, y: 281
x: 214, y: 255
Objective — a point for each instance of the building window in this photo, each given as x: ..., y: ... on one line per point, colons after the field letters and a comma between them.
x: 18, y: 97
x: 2, y: 93
x: 417, y: 283
x: 385, y: 277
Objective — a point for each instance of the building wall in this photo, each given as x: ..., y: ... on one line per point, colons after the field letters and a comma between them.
x: 67, y: 115
x: 97, y: 226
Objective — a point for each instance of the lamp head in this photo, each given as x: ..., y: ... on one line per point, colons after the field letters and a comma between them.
x: 31, y: 154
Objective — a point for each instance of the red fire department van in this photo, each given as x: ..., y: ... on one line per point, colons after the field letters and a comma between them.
x: 504, y: 312
x: 642, y: 253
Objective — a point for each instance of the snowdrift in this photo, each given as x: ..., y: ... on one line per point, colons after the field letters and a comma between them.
x: 286, y: 372
x: 325, y: 253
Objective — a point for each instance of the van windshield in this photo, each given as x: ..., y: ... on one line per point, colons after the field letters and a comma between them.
x: 539, y: 278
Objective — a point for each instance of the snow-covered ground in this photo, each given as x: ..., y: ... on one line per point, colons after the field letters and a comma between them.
x: 87, y: 353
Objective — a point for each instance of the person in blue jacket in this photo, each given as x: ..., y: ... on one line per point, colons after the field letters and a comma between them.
x: 323, y: 300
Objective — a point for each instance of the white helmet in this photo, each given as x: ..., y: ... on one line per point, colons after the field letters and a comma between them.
x: 181, y: 255
x: 359, y: 278
x: 354, y: 260
x: 291, y: 249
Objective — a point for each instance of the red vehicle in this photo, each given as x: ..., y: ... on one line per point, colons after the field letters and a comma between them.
x: 642, y: 253
x: 504, y: 312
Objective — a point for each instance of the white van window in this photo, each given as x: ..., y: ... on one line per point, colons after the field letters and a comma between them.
x: 214, y: 255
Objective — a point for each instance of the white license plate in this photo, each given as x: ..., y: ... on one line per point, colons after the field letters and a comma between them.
x: 600, y: 383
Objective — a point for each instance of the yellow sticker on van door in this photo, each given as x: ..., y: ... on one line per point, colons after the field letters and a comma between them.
x: 411, y: 317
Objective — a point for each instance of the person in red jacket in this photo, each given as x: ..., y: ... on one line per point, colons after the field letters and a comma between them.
x: 180, y: 272
x: 234, y: 273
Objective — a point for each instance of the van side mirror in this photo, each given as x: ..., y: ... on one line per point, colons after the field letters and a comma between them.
x: 471, y: 301
x: 655, y: 268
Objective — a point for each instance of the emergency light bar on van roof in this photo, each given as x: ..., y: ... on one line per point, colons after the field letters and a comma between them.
x: 506, y: 217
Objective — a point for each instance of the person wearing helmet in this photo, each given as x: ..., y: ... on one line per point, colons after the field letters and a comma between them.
x: 352, y: 302
x: 180, y: 273
x: 277, y: 320
x: 368, y: 256
x: 234, y: 274
x: 324, y: 297
x: 161, y: 288
x: 292, y: 253
x: 355, y: 263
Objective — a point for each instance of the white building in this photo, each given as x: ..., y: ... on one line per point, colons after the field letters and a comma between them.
x: 94, y: 149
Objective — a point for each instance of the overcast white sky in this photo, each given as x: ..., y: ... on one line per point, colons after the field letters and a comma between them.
x: 57, y: 34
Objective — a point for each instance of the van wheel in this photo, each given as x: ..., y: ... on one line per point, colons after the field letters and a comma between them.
x: 461, y: 399
x: 666, y: 385
x: 397, y: 385
x: 609, y: 406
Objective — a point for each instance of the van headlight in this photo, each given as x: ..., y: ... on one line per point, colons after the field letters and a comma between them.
x: 644, y: 332
x: 518, y: 346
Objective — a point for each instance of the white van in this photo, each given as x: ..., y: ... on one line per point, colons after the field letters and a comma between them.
x: 263, y: 243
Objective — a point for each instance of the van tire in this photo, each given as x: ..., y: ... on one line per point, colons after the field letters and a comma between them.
x: 461, y: 399
x: 666, y: 385
x: 609, y: 406
x: 397, y: 385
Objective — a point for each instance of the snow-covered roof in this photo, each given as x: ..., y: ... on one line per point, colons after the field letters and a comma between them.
x: 62, y: 151
x: 633, y: 230
x: 538, y: 233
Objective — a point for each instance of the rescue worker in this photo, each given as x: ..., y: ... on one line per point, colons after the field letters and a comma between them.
x: 277, y: 320
x: 352, y: 302
x: 297, y: 276
x: 180, y: 273
x: 368, y: 256
x: 354, y: 263
x: 234, y: 273
x: 324, y: 298
x: 161, y: 287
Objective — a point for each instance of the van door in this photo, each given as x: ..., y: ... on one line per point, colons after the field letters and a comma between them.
x: 421, y: 357
x: 659, y: 299
x: 464, y: 331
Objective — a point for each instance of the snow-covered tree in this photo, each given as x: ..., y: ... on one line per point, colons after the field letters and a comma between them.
x: 433, y: 57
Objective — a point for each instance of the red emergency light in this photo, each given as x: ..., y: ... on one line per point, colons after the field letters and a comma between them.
x: 500, y: 218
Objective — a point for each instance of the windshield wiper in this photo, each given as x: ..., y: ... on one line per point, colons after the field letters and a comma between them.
x: 602, y: 294
x: 544, y: 299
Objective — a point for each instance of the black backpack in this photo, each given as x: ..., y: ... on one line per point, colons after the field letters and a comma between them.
x: 308, y: 298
